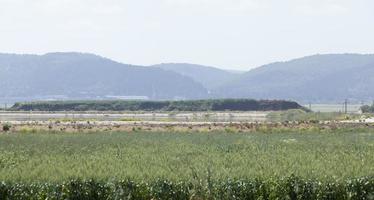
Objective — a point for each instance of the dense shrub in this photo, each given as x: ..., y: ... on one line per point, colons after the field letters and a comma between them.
x: 289, y: 188
x: 193, y: 105
x: 367, y: 109
x: 6, y: 127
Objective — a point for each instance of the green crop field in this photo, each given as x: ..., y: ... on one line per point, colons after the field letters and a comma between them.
x: 184, y: 159
x: 177, y: 156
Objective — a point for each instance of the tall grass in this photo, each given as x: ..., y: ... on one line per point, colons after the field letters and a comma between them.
x: 218, y: 165
x: 288, y: 188
x: 180, y: 156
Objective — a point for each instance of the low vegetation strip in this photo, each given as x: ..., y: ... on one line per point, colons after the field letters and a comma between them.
x: 191, y: 105
x: 62, y: 126
x: 288, y: 188
x: 301, y: 115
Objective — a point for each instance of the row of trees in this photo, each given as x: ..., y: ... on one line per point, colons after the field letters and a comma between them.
x: 191, y: 105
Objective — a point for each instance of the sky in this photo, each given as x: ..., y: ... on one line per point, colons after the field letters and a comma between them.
x: 230, y: 34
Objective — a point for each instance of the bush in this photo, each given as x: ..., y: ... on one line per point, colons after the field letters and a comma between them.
x: 367, y: 109
x: 6, y: 127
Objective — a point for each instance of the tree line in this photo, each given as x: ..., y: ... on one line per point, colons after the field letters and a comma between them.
x: 368, y: 108
x: 189, y: 105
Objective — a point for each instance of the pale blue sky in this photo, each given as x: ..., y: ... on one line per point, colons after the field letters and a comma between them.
x: 234, y: 34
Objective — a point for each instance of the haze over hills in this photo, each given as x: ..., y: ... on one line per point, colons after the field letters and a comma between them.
x: 209, y: 77
x: 77, y: 75
x: 327, y: 78
x: 318, y: 78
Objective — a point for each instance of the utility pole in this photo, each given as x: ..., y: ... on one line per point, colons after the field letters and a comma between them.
x: 346, y: 106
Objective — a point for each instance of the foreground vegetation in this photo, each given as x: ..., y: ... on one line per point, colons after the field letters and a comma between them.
x: 288, y: 188
x: 191, y: 105
x: 217, y: 165
x: 179, y: 156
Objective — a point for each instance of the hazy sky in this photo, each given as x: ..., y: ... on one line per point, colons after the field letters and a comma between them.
x: 236, y: 34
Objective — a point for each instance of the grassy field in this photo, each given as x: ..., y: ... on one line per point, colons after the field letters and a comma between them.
x: 183, y: 156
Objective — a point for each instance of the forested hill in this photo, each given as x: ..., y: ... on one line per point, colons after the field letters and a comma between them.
x: 209, y: 77
x: 318, y: 78
x: 329, y: 78
x: 77, y: 75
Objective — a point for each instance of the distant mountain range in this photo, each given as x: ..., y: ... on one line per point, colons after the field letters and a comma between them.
x: 319, y: 78
x: 86, y: 76
x: 209, y: 77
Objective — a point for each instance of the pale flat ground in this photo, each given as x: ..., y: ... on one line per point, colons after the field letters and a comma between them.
x: 368, y: 120
x: 146, y: 116
x: 352, y: 108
